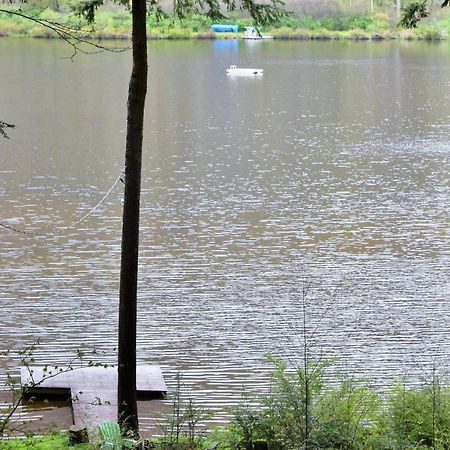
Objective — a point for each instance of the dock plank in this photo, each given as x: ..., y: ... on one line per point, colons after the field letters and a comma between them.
x: 93, y: 390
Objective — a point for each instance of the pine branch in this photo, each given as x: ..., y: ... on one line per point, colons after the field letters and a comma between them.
x: 413, y: 13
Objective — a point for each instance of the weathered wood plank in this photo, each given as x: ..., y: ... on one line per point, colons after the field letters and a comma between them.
x: 93, y: 389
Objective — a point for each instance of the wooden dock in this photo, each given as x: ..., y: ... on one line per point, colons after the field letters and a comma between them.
x: 92, y: 390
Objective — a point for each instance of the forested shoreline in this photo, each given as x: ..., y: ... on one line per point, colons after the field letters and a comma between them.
x: 328, y: 22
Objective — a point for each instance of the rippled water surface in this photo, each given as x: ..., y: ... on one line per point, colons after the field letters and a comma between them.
x: 329, y: 172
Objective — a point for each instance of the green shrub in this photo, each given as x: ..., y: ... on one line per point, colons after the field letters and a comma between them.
x: 348, y: 415
x: 419, y: 416
x: 288, y: 22
x: 380, y: 21
x: 246, y: 427
x: 310, y: 23
x: 356, y: 21
x: 302, y: 412
x: 289, y: 414
x: 331, y: 24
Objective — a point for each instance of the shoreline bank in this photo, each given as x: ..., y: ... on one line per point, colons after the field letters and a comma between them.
x: 116, y: 25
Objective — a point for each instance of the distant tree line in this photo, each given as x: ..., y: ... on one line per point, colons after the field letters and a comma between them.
x: 313, y: 8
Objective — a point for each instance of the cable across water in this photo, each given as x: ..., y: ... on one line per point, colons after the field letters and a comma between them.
x: 73, y: 224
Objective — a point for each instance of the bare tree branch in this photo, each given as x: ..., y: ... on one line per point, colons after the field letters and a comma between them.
x: 75, y: 37
x: 4, y: 125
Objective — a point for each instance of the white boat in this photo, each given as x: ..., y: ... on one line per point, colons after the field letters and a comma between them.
x: 241, y: 71
x: 253, y: 33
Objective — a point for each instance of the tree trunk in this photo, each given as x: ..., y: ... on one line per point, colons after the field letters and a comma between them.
x: 127, y: 401
x: 398, y: 7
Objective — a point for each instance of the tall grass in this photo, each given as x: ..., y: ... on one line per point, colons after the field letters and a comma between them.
x: 51, y: 442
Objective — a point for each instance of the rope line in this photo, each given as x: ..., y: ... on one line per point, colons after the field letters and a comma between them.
x: 95, y: 207
x: 73, y: 224
x: 16, y: 230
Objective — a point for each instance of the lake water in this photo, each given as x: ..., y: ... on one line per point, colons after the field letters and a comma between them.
x: 329, y: 174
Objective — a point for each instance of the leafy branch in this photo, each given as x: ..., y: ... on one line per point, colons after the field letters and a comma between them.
x: 415, y: 12
x: 262, y: 13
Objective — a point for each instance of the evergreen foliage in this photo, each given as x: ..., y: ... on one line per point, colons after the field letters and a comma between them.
x: 413, y: 13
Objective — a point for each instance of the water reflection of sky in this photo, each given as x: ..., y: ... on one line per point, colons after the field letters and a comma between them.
x: 221, y: 46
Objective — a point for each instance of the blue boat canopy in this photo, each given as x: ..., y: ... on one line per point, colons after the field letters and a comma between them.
x: 224, y: 28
